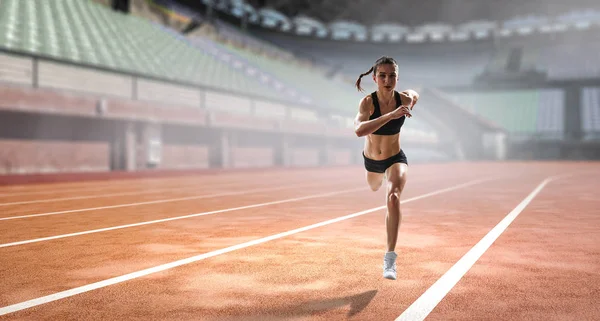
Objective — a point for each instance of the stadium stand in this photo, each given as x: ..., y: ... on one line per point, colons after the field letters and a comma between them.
x: 523, y: 113
x: 257, y: 81
x: 87, y: 33
x: 150, y: 98
x: 559, y: 60
x: 590, y: 116
x: 420, y: 64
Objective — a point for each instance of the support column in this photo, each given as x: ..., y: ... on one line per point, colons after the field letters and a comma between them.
x: 284, y: 152
x: 324, y: 151
x: 225, y: 150
x: 130, y: 146
x: 151, y: 145
x: 573, y: 113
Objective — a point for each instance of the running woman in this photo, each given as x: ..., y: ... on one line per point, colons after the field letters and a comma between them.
x: 380, y: 118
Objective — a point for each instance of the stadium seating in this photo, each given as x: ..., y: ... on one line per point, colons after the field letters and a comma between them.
x: 590, y: 116
x: 420, y: 64
x: 88, y: 33
x: 234, y: 34
x: 525, y: 113
x: 563, y: 57
x: 325, y: 92
x: 91, y: 34
x: 551, y: 114
x: 571, y: 61
x: 313, y: 82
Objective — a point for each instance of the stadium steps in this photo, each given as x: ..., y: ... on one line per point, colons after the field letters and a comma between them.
x: 324, y: 91
x: 81, y: 31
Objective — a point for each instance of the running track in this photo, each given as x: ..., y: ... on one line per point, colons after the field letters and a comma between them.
x: 478, y: 241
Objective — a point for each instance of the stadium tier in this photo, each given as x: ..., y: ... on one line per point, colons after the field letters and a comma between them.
x: 88, y: 33
x: 564, y: 57
x: 420, y: 64
x: 524, y: 113
x: 307, y: 80
x: 570, y: 61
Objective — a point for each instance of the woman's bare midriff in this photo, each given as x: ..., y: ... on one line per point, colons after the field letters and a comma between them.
x: 380, y: 147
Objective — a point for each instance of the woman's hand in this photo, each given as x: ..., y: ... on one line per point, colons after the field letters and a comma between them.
x: 399, y: 112
x: 409, y: 98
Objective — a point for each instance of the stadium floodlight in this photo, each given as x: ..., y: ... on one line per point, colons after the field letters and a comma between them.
x: 525, y: 25
x: 346, y: 29
x: 580, y: 19
x: 272, y: 18
x: 458, y: 35
x: 306, y: 25
x: 435, y: 31
x: 393, y: 31
x: 480, y: 29
x: 239, y: 8
x: 416, y: 37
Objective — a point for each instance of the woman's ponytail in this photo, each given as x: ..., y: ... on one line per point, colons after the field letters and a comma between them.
x: 359, y: 78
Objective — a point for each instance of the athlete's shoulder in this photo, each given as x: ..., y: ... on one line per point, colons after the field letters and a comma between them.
x: 366, y: 102
x: 367, y: 99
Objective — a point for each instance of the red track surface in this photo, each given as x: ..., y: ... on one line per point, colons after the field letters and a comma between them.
x: 544, y: 266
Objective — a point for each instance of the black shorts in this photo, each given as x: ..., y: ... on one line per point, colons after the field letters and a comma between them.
x: 379, y: 166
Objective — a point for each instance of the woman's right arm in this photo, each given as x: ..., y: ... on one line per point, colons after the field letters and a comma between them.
x: 363, y: 126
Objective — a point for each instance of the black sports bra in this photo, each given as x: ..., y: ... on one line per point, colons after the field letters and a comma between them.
x: 393, y: 126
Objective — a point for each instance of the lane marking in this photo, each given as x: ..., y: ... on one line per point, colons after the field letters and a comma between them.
x: 99, y: 185
x: 130, y: 276
x: 421, y: 308
x: 145, y: 191
x: 187, y: 198
x: 84, y: 188
x: 96, y: 196
x: 179, y: 217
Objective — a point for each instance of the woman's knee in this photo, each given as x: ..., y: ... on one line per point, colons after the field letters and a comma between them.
x: 393, y: 194
x: 395, y: 186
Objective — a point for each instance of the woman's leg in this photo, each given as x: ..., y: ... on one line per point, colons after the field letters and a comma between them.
x: 372, y: 169
x: 375, y: 180
x: 396, y: 179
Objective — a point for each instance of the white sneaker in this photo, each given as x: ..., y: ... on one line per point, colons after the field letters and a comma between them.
x: 389, y: 265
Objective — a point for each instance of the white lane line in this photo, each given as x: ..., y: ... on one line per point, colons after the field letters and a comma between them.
x: 95, y: 187
x: 257, y: 190
x: 95, y: 196
x: 178, y: 218
x: 99, y: 185
x: 145, y: 191
x: 52, y: 190
x: 130, y: 276
x: 421, y: 308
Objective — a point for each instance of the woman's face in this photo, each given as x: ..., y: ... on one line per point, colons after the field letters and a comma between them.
x: 386, y: 77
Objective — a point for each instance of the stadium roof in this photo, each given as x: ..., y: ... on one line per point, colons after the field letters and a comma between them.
x: 416, y: 13
x: 406, y: 20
